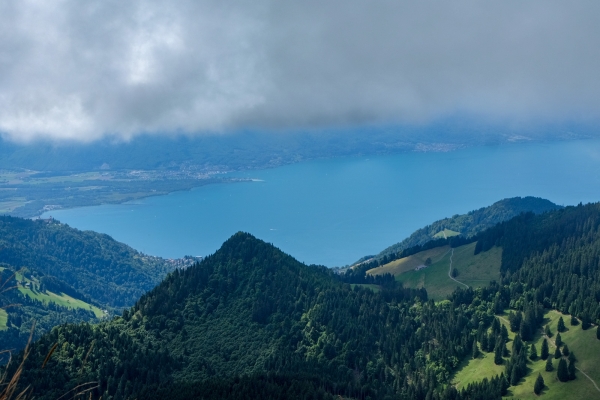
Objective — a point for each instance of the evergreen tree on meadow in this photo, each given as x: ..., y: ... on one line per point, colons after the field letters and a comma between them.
x: 545, y: 351
x: 533, y: 355
x: 565, y: 351
x: 557, y: 353
x: 571, y: 370
x: 475, y: 352
x: 558, y: 341
x: 586, y: 323
x: 574, y: 320
x: 561, y: 325
x: 549, y: 366
x: 547, y: 331
x: 504, y: 333
x: 539, y: 384
x: 498, y: 352
x: 562, y: 372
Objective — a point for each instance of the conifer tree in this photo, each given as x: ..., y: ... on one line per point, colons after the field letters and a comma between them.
x: 574, y: 320
x: 533, y: 352
x: 539, y: 384
x: 561, y: 325
x: 557, y: 353
x: 558, y: 341
x: 514, y: 377
x: 571, y: 370
x: 549, y: 366
x: 504, y: 333
x: 562, y: 372
x: 565, y: 351
x: 498, y: 352
x: 475, y: 352
x: 585, y: 322
x: 547, y: 331
x: 545, y: 351
x: 484, y: 342
x: 504, y: 385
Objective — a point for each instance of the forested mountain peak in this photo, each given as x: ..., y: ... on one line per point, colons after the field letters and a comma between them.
x: 473, y: 222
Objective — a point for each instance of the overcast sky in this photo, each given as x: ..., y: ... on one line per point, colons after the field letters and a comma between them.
x: 83, y: 69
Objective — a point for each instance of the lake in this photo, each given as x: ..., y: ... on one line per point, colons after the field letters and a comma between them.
x: 334, y: 211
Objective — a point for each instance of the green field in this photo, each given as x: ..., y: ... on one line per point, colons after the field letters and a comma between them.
x: 409, y: 263
x: 446, y: 233
x: 583, y: 343
x: 473, y: 270
x: 46, y: 297
x: 3, y: 319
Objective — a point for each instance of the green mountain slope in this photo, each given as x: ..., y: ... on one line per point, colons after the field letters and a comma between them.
x: 95, y: 265
x: 250, y: 321
x: 473, y: 222
x: 445, y: 263
x: 59, y: 274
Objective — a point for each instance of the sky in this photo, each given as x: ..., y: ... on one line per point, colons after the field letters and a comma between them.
x: 85, y: 70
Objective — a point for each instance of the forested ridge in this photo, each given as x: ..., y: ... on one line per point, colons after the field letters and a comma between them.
x: 84, y: 265
x: 250, y: 321
x: 107, y: 272
x: 470, y: 224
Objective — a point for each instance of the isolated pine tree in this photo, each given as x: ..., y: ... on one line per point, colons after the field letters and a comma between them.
x: 571, y: 370
x: 586, y: 323
x: 545, y: 351
x: 547, y: 331
x: 574, y: 321
x: 557, y: 353
x: 562, y: 372
x: 558, y: 340
x: 549, y: 366
x: 565, y: 351
x: 539, y: 384
x: 561, y: 325
x: 475, y: 353
x: 533, y: 355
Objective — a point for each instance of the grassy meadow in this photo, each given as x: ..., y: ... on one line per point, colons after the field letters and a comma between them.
x: 473, y: 270
x: 583, y: 343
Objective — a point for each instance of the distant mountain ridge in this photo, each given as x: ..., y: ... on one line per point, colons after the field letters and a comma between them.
x: 473, y: 222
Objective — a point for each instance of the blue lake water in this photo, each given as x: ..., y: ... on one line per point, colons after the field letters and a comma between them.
x: 332, y: 212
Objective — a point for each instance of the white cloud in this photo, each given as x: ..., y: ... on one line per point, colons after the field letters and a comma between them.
x: 82, y: 70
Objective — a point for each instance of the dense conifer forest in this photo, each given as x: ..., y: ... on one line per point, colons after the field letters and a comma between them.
x: 84, y: 265
x: 250, y: 321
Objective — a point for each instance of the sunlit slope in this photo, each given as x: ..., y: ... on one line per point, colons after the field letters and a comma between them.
x: 583, y: 343
x: 446, y: 233
x: 31, y: 288
x: 471, y: 270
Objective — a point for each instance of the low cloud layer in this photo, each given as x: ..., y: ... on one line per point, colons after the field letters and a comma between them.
x: 81, y: 70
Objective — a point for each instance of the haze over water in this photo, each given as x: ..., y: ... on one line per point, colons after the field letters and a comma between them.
x: 333, y: 212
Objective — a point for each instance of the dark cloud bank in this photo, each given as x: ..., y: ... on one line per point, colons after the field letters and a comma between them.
x: 85, y: 70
